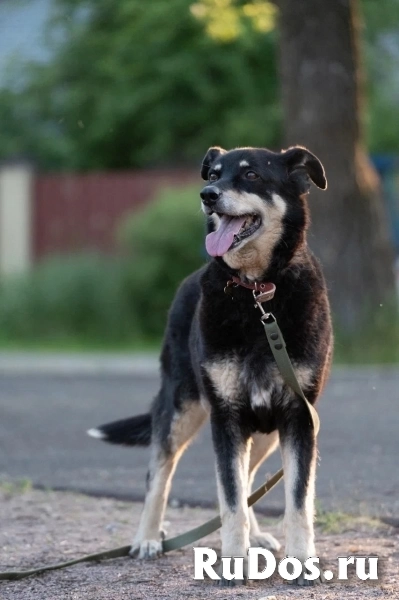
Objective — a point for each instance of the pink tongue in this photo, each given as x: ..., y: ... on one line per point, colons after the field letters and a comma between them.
x: 218, y: 242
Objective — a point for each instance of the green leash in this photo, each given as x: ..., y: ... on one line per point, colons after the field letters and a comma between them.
x: 278, y: 348
x: 277, y: 345
x: 167, y: 545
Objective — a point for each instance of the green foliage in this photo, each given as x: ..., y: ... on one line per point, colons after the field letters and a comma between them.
x: 133, y: 83
x: 375, y: 342
x: 227, y: 20
x: 166, y: 243
x: 76, y: 297
x: 91, y: 299
x: 381, y: 42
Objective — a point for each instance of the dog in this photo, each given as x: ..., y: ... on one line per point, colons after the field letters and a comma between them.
x: 216, y: 361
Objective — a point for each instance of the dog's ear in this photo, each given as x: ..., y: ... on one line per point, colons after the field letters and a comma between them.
x: 299, y: 158
x: 209, y: 158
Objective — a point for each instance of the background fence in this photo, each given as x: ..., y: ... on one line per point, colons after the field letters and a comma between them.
x: 81, y: 212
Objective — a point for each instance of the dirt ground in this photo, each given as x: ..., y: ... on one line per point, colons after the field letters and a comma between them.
x: 39, y: 527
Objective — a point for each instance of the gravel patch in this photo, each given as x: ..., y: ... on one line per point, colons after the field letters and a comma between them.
x: 41, y: 527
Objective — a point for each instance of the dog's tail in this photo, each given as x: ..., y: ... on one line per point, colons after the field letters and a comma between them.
x: 135, y: 431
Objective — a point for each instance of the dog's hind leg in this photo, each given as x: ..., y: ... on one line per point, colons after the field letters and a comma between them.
x: 171, y: 436
x: 262, y: 446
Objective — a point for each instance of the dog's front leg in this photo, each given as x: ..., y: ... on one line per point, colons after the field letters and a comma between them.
x: 298, y: 447
x: 232, y: 450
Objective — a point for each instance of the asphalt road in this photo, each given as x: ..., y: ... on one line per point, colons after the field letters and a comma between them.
x: 44, y: 418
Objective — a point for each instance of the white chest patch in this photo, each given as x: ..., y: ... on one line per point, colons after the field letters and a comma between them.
x: 230, y: 381
x: 225, y: 378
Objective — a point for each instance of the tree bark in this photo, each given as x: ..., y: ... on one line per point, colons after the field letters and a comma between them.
x: 322, y: 95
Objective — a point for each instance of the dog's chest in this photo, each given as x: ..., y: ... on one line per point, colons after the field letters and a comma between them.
x: 233, y: 381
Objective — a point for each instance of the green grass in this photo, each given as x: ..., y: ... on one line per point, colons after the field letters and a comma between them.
x: 372, y: 346
x: 94, y: 303
x: 14, y: 488
x: 376, y: 341
x: 335, y: 522
x: 375, y: 344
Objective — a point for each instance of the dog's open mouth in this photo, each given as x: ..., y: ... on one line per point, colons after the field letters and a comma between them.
x: 230, y: 233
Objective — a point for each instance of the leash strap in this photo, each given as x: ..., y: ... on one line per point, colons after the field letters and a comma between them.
x: 115, y: 553
x: 277, y: 345
x: 278, y: 348
x: 174, y: 543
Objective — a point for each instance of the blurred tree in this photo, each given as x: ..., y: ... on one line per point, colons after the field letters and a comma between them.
x: 135, y: 83
x: 322, y: 93
x: 381, y: 35
x: 132, y: 85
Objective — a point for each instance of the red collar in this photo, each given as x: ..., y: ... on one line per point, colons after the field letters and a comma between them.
x: 264, y: 287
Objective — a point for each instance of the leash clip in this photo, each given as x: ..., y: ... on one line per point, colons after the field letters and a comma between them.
x: 263, y: 295
x: 258, y: 304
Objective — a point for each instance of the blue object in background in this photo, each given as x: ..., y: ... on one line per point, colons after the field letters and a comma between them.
x: 387, y: 166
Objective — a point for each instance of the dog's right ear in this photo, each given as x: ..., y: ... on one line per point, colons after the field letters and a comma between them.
x: 299, y: 158
x: 210, y: 158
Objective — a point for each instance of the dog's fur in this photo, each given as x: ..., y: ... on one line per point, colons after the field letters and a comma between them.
x: 216, y: 360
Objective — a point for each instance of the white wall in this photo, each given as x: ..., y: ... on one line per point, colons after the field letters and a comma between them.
x: 16, y: 183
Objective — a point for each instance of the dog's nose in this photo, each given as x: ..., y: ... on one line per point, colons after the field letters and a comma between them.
x: 210, y: 194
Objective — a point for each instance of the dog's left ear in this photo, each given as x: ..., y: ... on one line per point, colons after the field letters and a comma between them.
x: 297, y: 158
x: 210, y: 158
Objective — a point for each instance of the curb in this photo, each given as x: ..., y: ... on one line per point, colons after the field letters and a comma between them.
x: 26, y: 363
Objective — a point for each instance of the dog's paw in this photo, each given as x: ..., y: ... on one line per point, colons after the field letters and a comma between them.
x: 222, y: 582
x: 146, y: 550
x: 301, y: 580
x: 306, y: 582
x: 264, y: 540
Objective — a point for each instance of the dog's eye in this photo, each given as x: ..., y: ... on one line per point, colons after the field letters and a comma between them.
x: 213, y: 177
x: 251, y: 175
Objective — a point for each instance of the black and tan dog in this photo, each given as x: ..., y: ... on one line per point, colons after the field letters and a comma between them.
x: 216, y: 360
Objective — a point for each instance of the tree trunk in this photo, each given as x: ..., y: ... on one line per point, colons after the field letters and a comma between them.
x: 322, y: 100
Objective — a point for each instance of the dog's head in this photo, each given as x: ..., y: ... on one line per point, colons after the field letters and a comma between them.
x: 256, y: 203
